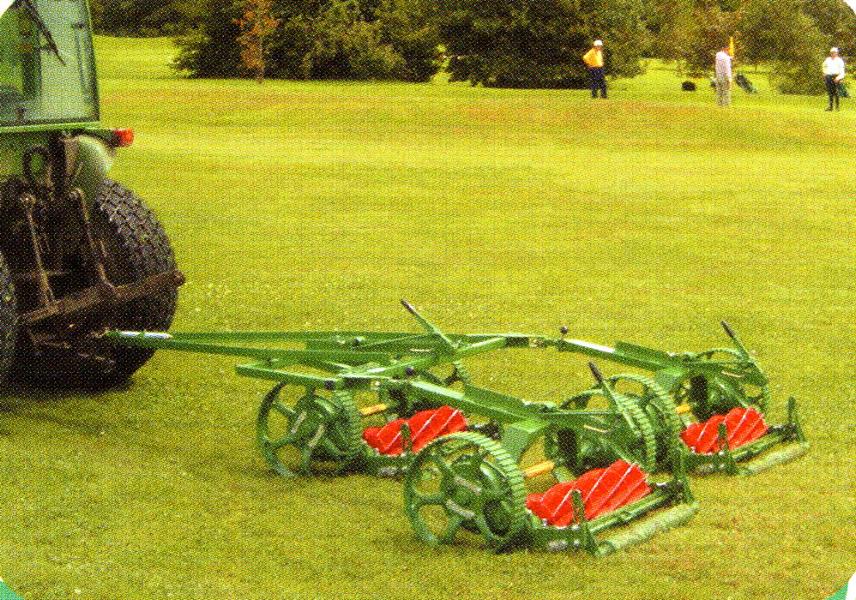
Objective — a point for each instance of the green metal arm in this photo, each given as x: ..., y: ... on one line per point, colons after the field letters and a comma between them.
x: 673, y: 366
x: 448, y: 345
x: 208, y: 344
x: 623, y: 353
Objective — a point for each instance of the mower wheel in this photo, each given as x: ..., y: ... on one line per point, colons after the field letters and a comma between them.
x: 466, y: 481
x: 657, y: 405
x: 317, y: 430
x: 637, y: 444
x: 643, y: 450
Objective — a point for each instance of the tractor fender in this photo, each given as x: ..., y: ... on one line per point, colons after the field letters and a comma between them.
x: 88, y: 159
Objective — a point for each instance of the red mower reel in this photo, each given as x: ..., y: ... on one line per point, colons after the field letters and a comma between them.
x: 742, y: 425
x: 602, y: 490
x: 424, y: 426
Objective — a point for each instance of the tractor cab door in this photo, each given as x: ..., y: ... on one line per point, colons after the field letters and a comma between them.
x: 47, y: 66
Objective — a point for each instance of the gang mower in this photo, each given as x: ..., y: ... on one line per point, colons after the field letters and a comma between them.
x: 716, y: 400
x: 79, y: 253
x: 404, y: 404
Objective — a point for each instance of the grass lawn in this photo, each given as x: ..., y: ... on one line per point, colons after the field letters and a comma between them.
x: 301, y: 205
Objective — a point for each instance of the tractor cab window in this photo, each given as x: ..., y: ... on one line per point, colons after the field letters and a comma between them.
x: 47, y: 72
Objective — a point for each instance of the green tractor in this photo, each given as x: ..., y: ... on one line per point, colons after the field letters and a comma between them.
x: 79, y: 253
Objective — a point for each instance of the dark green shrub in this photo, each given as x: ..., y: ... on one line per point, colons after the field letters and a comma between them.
x: 323, y: 39
x: 538, y: 43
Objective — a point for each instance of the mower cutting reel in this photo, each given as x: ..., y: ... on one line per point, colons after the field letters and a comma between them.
x: 717, y: 400
x: 403, y: 404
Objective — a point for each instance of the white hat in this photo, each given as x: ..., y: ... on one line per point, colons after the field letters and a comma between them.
x: 833, y: 49
x: 598, y: 42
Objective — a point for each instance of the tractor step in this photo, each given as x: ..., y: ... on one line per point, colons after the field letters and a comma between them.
x: 602, y: 490
x: 423, y: 427
x: 742, y: 425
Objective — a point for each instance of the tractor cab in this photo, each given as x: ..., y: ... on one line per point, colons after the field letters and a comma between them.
x: 47, y: 65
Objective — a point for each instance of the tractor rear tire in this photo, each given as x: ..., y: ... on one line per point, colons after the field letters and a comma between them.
x: 8, y: 320
x: 136, y: 247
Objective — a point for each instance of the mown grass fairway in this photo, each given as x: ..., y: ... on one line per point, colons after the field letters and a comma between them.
x: 316, y: 205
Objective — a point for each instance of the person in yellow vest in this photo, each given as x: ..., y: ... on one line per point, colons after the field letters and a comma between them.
x: 594, y: 61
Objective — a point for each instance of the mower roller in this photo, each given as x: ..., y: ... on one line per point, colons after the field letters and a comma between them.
x: 458, y: 446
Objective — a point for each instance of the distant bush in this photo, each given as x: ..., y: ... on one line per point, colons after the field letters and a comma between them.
x: 211, y: 49
x: 779, y: 33
x: 144, y: 17
x: 836, y: 22
x: 708, y: 28
x: 538, y: 43
x: 323, y: 39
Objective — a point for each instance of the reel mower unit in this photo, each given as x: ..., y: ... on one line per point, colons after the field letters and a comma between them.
x: 618, y: 462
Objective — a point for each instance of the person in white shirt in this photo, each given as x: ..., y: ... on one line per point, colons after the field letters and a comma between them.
x: 723, y: 77
x: 833, y: 74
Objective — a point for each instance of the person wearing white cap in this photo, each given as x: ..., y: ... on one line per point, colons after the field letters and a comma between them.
x: 833, y: 74
x: 594, y: 61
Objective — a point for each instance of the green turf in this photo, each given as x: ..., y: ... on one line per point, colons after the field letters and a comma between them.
x: 315, y: 205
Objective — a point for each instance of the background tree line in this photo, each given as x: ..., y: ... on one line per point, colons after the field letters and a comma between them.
x: 506, y: 43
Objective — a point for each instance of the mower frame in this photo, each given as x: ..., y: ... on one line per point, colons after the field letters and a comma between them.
x: 325, y: 422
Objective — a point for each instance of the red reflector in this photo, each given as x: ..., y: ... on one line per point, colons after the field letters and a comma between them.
x: 122, y: 138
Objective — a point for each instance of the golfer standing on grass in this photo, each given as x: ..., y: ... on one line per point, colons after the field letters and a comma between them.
x: 723, y: 77
x: 833, y: 74
x: 594, y: 61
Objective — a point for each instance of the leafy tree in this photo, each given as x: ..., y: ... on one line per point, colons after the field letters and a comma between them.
x: 668, y: 22
x: 211, y: 49
x: 835, y: 20
x: 708, y: 30
x: 323, y: 39
x: 779, y: 33
x: 538, y: 43
x: 144, y: 17
x: 346, y: 46
x: 256, y: 24
x: 409, y: 28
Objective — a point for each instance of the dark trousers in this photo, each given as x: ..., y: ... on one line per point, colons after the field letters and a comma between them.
x: 832, y: 91
x: 598, y: 82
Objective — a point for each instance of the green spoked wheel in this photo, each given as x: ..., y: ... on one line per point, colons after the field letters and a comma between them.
x: 659, y: 407
x: 316, y: 431
x: 641, y: 448
x: 710, y: 396
x: 634, y: 441
x: 465, y: 480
